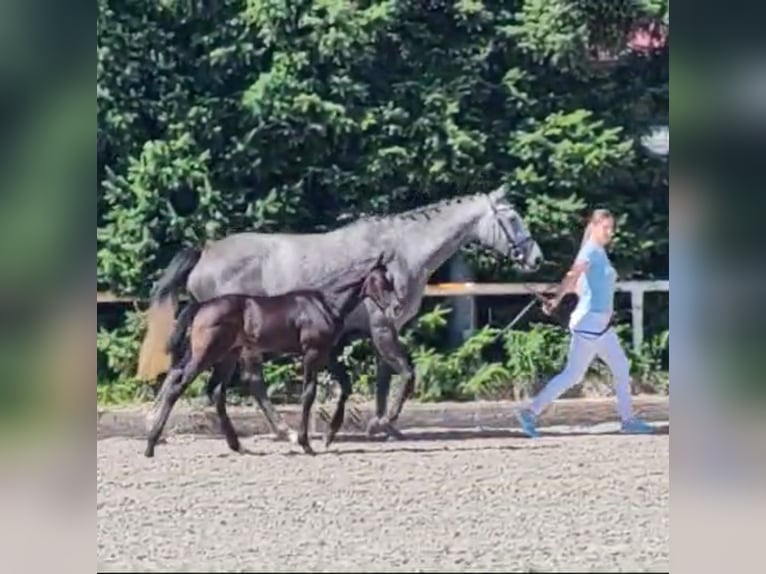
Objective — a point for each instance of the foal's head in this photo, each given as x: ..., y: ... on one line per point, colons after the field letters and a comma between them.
x: 379, y: 287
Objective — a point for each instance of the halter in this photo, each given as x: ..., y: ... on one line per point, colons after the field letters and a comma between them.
x: 515, y: 251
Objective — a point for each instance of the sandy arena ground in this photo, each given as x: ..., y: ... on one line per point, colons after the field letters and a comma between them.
x: 588, y: 502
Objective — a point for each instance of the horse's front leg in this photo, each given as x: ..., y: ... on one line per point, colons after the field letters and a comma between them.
x: 391, y: 354
x: 252, y: 373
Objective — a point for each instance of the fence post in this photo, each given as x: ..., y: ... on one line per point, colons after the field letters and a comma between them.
x: 462, y: 320
x: 637, y: 312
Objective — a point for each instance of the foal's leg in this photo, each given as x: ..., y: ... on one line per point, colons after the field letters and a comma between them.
x: 222, y: 373
x: 340, y: 409
x: 339, y: 372
x: 212, y: 384
x: 252, y: 372
x: 169, y: 397
x: 174, y: 375
x: 225, y: 369
x: 386, y: 341
x: 310, y: 359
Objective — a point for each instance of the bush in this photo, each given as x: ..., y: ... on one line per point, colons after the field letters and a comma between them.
x: 490, y: 364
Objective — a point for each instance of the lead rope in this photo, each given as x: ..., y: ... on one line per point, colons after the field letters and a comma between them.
x: 537, y: 297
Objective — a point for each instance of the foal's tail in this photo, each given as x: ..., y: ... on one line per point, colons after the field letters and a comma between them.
x: 153, y: 358
x: 176, y: 344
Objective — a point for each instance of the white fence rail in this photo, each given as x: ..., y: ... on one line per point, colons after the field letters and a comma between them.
x: 637, y: 289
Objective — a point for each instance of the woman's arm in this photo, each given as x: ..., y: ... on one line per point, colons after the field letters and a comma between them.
x: 567, y: 285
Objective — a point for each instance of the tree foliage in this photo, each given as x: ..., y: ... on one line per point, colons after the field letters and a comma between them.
x: 299, y: 115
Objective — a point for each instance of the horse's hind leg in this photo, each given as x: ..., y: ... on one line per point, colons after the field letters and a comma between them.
x: 252, y: 372
x: 169, y: 397
x: 225, y: 369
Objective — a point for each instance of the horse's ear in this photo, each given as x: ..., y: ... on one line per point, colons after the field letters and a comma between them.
x: 500, y: 193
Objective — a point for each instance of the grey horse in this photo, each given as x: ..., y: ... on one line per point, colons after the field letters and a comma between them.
x: 416, y: 242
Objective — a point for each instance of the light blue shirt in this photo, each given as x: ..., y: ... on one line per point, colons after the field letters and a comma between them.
x: 595, y: 287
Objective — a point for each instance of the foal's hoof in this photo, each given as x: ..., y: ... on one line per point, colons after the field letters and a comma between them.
x: 149, y: 452
x: 234, y: 445
x: 328, y: 439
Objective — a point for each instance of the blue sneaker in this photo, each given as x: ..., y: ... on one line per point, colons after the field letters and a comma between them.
x: 527, y: 421
x: 637, y: 426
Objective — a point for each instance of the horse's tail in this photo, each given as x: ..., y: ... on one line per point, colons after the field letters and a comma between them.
x: 153, y: 358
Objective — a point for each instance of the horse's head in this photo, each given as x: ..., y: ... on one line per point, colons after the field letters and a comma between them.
x: 502, y: 228
x: 379, y: 287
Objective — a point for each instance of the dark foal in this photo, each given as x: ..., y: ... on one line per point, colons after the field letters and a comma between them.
x: 308, y: 322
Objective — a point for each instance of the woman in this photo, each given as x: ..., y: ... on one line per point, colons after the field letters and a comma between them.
x: 589, y: 324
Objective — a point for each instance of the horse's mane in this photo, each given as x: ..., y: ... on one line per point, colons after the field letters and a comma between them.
x: 423, y: 212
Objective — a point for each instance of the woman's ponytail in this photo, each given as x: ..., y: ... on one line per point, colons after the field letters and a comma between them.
x: 586, y: 234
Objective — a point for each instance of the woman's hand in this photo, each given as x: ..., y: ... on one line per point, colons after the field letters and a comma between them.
x: 567, y: 285
x: 549, y: 305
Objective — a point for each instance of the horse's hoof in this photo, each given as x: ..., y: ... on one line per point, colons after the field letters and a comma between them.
x: 383, y: 426
x: 374, y: 427
x: 328, y: 440
x: 306, y: 446
x: 149, y: 452
x: 285, y: 434
x: 393, y: 432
